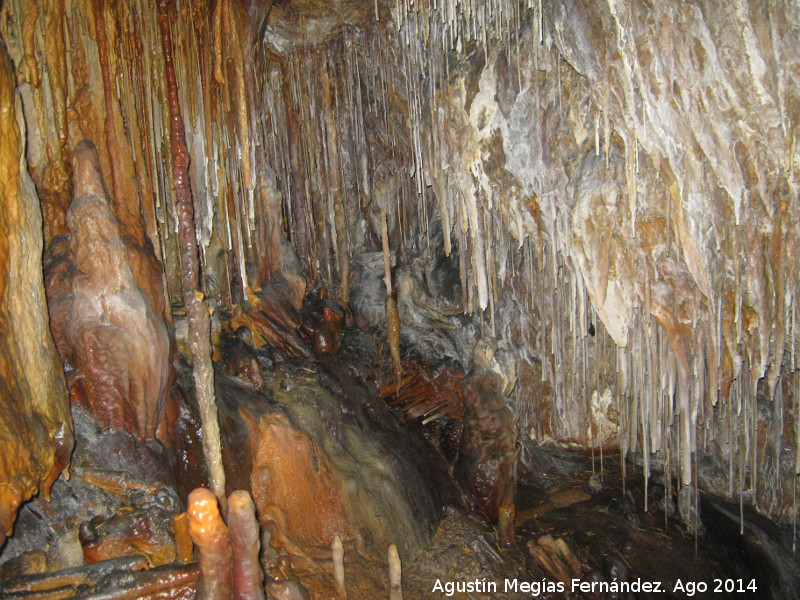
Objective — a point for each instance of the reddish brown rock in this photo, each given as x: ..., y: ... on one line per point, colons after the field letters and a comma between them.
x: 487, y: 464
x: 113, y: 340
x: 294, y: 484
x: 35, y: 426
x: 321, y: 456
x: 129, y: 533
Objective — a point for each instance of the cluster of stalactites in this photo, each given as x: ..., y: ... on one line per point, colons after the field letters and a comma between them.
x: 706, y: 311
x: 126, y: 114
x: 411, y: 124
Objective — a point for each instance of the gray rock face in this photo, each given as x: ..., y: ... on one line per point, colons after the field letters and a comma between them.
x: 628, y: 167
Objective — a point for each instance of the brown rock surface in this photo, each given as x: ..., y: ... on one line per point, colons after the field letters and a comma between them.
x: 35, y: 426
x: 487, y: 463
x: 293, y: 482
x: 320, y: 455
x: 615, y: 185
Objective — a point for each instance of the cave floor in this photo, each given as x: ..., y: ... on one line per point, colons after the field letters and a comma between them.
x: 609, y: 538
x: 570, y: 528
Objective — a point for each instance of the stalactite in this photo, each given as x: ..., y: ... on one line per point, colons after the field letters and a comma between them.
x: 55, y: 57
x: 241, y: 114
x: 392, y: 314
x: 606, y: 126
x: 125, y: 212
x: 489, y: 257
x: 196, y: 310
x: 630, y: 177
x: 339, y: 225
x: 245, y: 535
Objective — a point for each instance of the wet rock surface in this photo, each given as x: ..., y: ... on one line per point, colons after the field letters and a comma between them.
x: 571, y: 523
x: 118, y: 501
x: 608, y: 190
x: 35, y: 427
x: 487, y: 461
x: 612, y: 535
x: 352, y: 468
x: 109, y: 333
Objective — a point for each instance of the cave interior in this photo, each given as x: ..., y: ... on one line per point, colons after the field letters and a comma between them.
x: 306, y: 299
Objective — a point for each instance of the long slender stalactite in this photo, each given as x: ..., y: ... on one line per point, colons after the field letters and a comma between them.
x: 196, y: 310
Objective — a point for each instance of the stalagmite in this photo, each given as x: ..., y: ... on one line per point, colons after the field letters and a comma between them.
x: 96, y: 302
x: 245, y: 537
x: 395, y: 575
x: 213, y: 549
x: 337, y: 556
x: 196, y: 310
x: 505, y: 525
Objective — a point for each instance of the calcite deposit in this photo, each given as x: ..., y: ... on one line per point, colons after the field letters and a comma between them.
x: 115, y: 345
x: 487, y: 461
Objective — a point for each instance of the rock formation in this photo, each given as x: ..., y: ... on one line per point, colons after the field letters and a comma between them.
x: 35, y: 425
x: 114, y: 344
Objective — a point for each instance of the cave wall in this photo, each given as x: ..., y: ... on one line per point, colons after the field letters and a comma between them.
x: 109, y: 88
x: 616, y: 182
x: 35, y: 425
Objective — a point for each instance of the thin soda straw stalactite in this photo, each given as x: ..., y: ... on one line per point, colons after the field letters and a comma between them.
x: 392, y: 314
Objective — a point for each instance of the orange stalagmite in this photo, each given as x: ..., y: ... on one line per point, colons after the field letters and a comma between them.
x: 210, y: 537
